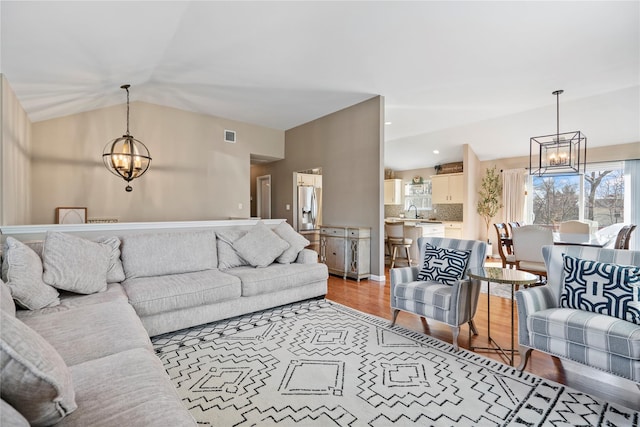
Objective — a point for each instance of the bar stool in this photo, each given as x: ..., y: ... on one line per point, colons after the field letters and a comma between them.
x: 396, y: 239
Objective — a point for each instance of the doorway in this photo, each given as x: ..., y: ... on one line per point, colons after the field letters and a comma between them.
x: 263, y: 202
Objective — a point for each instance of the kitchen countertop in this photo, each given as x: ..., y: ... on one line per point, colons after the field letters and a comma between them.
x: 413, y: 220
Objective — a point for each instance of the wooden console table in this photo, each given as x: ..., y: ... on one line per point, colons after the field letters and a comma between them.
x: 346, y: 251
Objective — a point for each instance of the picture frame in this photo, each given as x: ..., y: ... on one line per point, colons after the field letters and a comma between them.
x: 71, y: 215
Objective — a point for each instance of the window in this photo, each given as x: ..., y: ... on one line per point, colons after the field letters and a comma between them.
x: 418, y: 195
x: 597, y: 195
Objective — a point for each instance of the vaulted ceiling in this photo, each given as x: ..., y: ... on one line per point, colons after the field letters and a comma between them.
x: 452, y: 72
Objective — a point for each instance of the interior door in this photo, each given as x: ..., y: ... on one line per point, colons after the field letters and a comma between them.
x: 263, y: 205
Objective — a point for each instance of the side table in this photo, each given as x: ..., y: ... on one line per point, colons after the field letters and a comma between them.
x: 506, y: 276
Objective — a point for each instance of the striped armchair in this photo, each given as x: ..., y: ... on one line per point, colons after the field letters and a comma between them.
x: 597, y: 340
x: 454, y: 304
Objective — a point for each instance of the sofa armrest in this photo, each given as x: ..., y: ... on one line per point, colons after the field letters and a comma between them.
x: 530, y: 301
x: 307, y: 256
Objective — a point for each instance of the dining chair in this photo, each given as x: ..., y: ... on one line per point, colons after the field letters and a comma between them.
x: 396, y: 239
x: 574, y: 227
x: 622, y: 241
x: 528, y: 241
x: 505, y: 245
x: 512, y: 225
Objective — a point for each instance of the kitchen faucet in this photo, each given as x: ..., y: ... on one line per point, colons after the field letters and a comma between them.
x: 413, y: 206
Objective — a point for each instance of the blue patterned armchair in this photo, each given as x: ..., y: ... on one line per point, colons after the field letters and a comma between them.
x: 454, y: 304
x: 564, y: 318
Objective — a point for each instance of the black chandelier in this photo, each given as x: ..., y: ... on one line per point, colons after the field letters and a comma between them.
x: 126, y: 157
x: 559, y: 153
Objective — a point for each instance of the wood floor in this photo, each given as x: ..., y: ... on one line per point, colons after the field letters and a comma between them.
x: 373, y: 297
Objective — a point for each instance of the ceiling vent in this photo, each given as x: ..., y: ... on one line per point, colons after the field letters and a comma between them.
x: 230, y: 136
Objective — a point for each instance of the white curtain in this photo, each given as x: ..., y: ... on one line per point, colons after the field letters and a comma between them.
x: 513, y: 194
x: 632, y: 169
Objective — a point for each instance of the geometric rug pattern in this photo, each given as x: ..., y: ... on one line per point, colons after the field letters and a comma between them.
x: 318, y: 363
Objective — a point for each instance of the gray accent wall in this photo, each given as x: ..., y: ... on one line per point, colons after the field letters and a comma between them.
x: 348, y: 146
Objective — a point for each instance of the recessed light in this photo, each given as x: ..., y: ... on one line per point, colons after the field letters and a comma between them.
x: 387, y: 123
x: 436, y: 151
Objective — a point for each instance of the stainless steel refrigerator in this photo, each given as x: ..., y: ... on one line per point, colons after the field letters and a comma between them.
x: 309, y: 207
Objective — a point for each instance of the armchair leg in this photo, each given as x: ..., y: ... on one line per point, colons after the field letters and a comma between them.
x: 472, y: 327
x: 395, y: 316
x: 525, y: 354
x: 456, y: 332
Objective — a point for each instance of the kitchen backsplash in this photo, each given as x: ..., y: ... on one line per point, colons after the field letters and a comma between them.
x: 448, y: 212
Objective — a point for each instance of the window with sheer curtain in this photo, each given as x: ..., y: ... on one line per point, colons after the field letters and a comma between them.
x: 597, y: 196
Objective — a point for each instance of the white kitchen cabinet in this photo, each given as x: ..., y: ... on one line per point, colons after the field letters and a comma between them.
x: 310, y: 179
x: 447, y: 188
x: 346, y: 251
x: 453, y: 230
x: 392, y: 191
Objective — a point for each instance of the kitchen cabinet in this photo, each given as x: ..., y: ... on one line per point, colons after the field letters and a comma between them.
x: 310, y: 179
x: 346, y: 251
x: 392, y: 191
x: 453, y: 230
x: 447, y: 188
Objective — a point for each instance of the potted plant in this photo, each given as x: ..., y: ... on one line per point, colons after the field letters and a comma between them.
x: 489, y: 202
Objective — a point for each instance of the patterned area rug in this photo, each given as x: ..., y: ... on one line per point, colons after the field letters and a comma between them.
x: 317, y: 363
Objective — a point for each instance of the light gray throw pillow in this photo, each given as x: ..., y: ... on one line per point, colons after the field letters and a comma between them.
x: 75, y: 264
x: 6, y: 300
x: 260, y: 246
x: 9, y: 417
x: 35, y: 380
x: 115, y: 273
x: 227, y: 256
x: 22, y: 271
x: 296, y: 241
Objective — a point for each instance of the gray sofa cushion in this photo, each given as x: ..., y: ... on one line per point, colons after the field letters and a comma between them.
x: 71, y: 300
x: 227, y: 256
x: 22, y: 271
x: 9, y: 417
x: 6, y: 300
x: 130, y: 388
x: 278, y: 277
x: 297, y: 242
x: 158, y: 254
x: 151, y: 295
x: 111, y: 327
x: 75, y: 264
x: 260, y: 246
x: 35, y: 380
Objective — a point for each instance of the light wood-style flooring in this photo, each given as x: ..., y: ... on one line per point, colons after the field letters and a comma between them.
x: 373, y: 297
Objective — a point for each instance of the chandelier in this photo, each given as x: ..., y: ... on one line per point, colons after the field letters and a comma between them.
x: 126, y: 157
x: 559, y: 153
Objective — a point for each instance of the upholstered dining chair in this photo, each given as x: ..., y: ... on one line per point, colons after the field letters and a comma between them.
x: 512, y: 225
x: 576, y: 227
x: 528, y: 241
x: 505, y: 246
x: 624, y: 235
x: 432, y: 290
x: 396, y: 239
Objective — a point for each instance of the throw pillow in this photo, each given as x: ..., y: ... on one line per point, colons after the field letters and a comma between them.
x: 9, y: 417
x: 260, y: 246
x: 296, y: 242
x: 22, y: 270
x: 443, y: 265
x: 601, y: 287
x: 35, y: 380
x: 6, y: 300
x: 75, y: 264
x: 115, y: 273
x: 227, y: 256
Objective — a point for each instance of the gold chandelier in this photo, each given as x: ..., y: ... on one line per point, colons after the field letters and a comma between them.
x: 126, y: 157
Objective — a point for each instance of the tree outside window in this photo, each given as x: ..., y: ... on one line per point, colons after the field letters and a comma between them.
x: 559, y: 198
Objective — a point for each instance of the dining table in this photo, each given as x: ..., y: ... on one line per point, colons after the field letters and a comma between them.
x: 578, y: 239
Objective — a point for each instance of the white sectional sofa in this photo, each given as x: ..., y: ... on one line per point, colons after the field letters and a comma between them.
x: 77, y: 351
